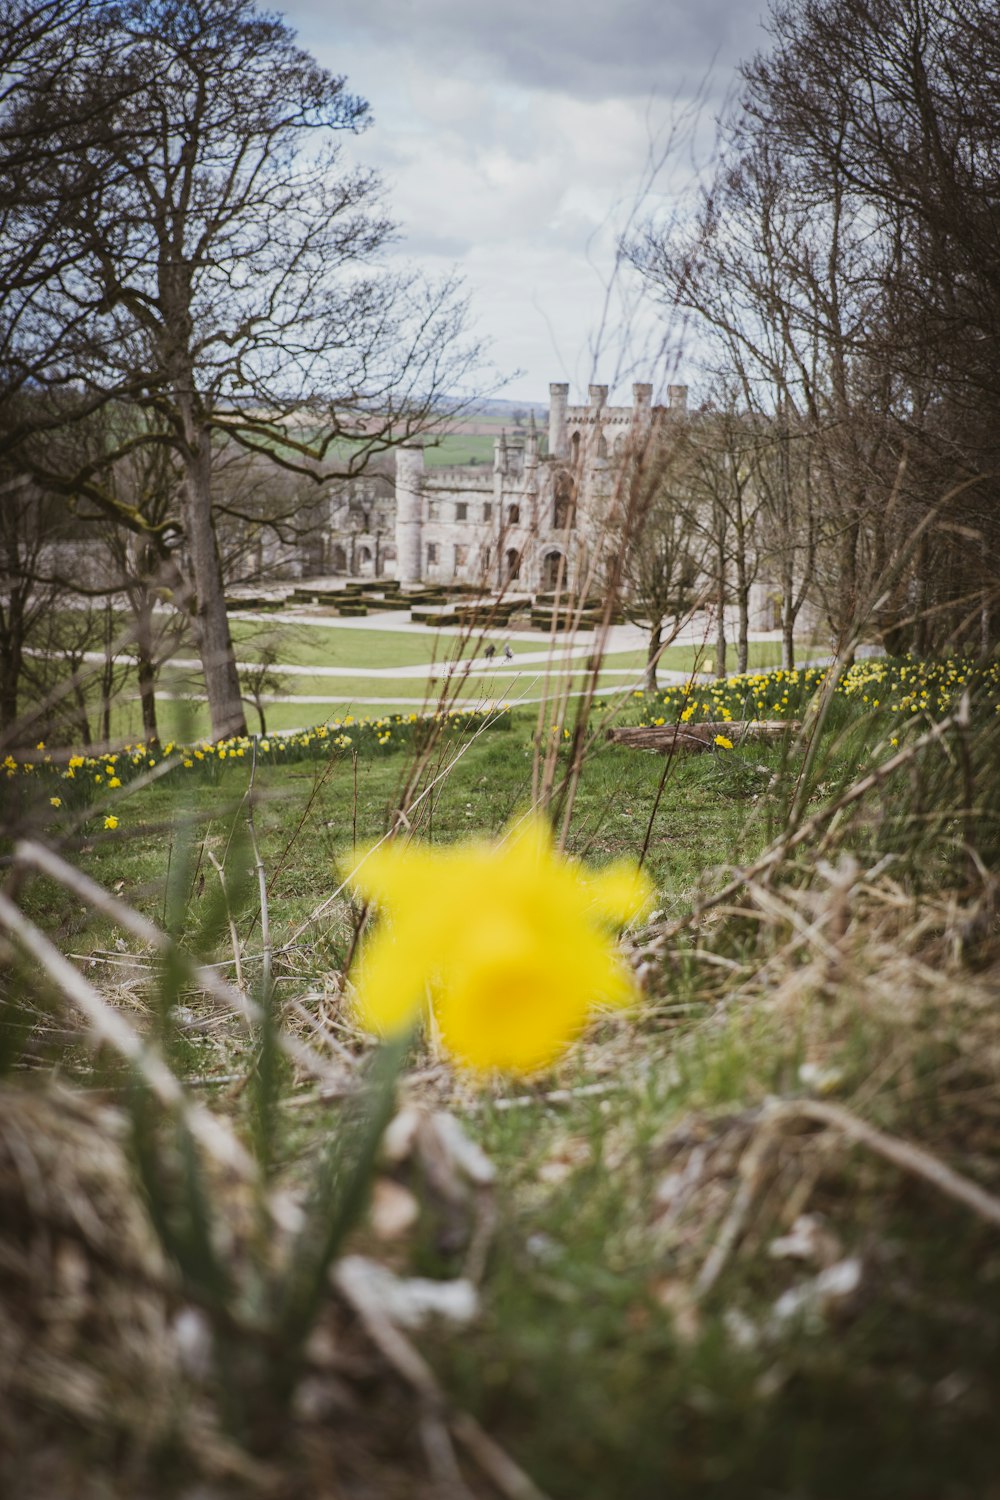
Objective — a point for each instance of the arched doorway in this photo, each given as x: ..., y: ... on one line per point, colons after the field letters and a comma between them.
x: 338, y: 559
x: 553, y: 571
x: 364, y: 562
x: 512, y: 564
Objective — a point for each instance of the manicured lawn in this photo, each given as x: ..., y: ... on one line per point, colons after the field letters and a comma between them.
x: 341, y: 646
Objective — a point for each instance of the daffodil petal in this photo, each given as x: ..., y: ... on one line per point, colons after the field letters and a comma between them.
x: 621, y: 892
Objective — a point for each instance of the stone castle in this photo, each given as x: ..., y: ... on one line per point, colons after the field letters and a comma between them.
x: 535, y: 522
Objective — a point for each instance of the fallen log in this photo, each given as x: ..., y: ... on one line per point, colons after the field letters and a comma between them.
x: 666, y: 739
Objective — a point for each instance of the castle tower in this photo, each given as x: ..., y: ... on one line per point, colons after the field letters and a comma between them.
x: 409, y: 513
x: 558, y: 397
x: 677, y: 397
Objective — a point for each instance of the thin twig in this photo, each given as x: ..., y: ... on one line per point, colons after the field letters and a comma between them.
x: 902, y: 1154
x: 556, y: 1096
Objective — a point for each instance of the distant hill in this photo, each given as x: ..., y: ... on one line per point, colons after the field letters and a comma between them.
x: 504, y: 411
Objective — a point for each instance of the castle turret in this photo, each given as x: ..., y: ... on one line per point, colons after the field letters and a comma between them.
x: 642, y: 404
x: 677, y: 397
x: 530, y: 480
x: 531, y: 445
x: 409, y: 513
x: 558, y: 397
x: 500, y: 452
x: 598, y: 396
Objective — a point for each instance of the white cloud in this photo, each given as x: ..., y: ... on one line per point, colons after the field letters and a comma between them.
x: 513, y: 141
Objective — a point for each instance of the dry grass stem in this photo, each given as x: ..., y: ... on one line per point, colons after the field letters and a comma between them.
x: 902, y: 1154
x: 108, y: 1025
x: 225, y: 995
x: 402, y: 1356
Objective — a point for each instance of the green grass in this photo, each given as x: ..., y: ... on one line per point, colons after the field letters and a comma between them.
x: 339, y: 646
x: 586, y: 1362
x: 331, y: 645
x: 486, y: 786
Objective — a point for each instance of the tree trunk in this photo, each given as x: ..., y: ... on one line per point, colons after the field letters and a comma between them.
x: 788, y: 616
x: 743, y: 604
x: 12, y: 632
x: 10, y: 672
x: 147, y: 698
x: 81, y: 717
x: 147, y: 673
x: 107, y: 674
x: 720, y: 619
x: 649, y: 682
x: 215, y: 646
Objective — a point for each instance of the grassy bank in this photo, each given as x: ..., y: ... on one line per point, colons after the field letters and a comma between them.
x: 742, y: 1238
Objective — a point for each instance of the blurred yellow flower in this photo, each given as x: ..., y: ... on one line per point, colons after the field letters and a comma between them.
x: 513, y: 941
x: 723, y: 743
x: 55, y: 802
x: 111, y: 821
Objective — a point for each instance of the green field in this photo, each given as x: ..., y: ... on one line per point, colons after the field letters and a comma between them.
x: 457, y: 448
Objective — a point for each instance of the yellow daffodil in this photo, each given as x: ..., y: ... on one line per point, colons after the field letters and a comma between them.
x: 55, y: 802
x: 111, y: 821
x: 723, y: 743
x: 513, y: 941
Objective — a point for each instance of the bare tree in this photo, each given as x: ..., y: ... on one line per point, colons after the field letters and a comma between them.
x: 653, y: 538
x: 224, y: 262
x: 873, y: 127
x: 725, y: 453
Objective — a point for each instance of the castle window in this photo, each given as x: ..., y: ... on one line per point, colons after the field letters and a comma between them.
x: 513, y: 515
x: 602, y: 445
x: 461, y: 511
x: 432, y: 554
x: 461, y: 556
x: 574, y: 448
x: 488, y: 510
x: 564, y: 508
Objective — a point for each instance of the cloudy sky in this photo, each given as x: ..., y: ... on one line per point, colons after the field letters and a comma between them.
x: 516, y: 139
